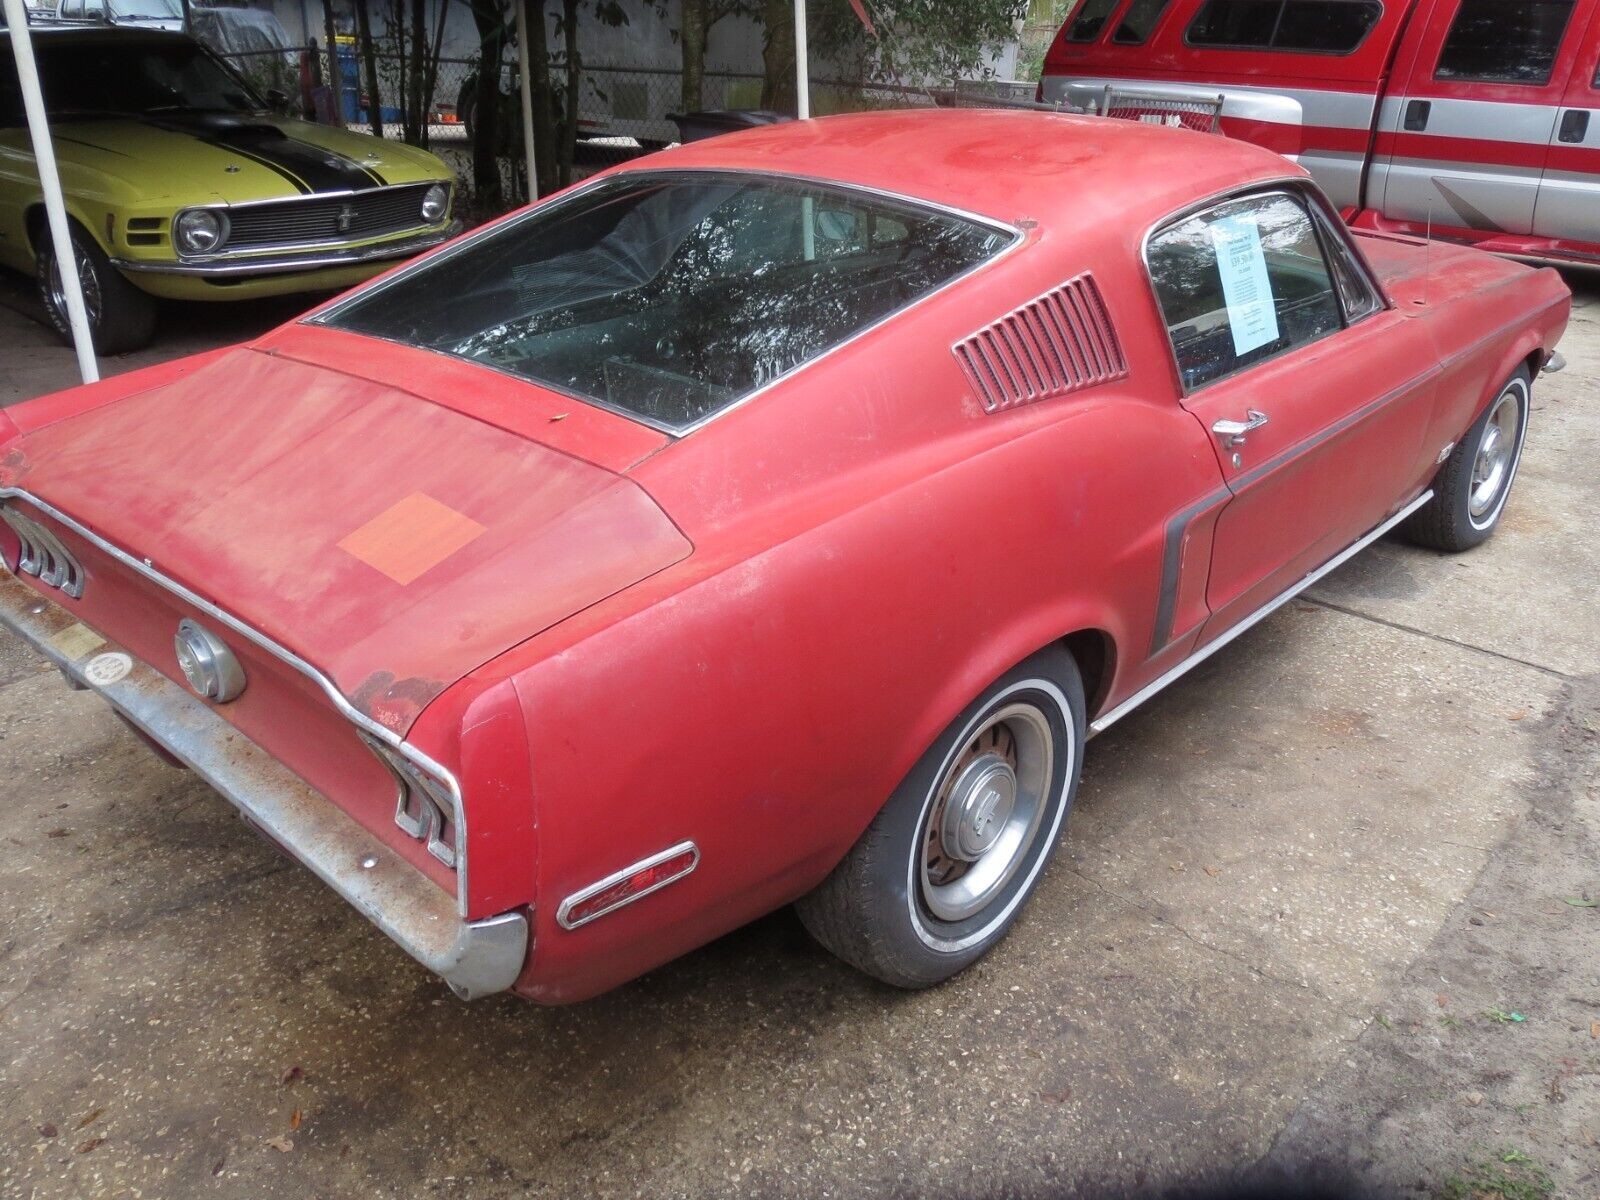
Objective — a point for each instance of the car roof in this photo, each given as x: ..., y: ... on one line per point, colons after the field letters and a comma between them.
x: 1011, y: 165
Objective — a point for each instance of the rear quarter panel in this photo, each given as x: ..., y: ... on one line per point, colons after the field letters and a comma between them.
x: 872, y: 550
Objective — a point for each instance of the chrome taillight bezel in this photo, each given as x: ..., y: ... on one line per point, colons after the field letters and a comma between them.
x: 426, y: 807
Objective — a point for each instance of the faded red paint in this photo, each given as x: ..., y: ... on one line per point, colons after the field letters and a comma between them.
x: 747, y: 636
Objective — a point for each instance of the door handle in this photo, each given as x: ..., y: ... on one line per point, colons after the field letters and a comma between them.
x: 1417, y: 114
x: 1233, y: 433
x: 1574, y: 125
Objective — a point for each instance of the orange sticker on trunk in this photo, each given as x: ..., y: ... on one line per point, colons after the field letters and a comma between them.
x: 411, y: 537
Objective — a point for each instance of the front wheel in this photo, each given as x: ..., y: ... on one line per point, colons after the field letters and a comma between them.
x: 946, y: 866
x: 121, y: 317
x: 1471, y: 488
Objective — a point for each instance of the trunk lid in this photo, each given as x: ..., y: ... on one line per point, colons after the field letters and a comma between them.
x: 388, y: 538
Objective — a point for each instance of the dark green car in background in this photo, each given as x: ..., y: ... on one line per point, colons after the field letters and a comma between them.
x: 182, y: 183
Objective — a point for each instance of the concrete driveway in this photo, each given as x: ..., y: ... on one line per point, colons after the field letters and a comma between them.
x: 1326, y: 903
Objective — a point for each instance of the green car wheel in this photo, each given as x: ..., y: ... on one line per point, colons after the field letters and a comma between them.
x: 121, y: 317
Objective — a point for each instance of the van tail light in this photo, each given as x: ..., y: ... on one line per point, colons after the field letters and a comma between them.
x: 627, y: 885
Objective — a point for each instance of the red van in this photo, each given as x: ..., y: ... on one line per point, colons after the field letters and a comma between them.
x: 1479, y: 119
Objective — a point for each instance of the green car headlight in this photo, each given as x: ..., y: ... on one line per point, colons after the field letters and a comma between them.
x: 435, y: 203
x: 200, y: 230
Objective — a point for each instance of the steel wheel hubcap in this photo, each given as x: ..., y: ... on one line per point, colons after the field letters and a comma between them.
x: 986, y: 812
x: 1491, y: 468
x: 979, y: 806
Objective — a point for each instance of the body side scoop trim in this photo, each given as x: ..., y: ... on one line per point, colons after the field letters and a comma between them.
x: 1104, y: 722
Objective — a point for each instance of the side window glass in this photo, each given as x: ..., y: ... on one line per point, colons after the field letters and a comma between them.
x: 1241, y: 283
x: 1088, y: 19
x: 1139, y: 22
x: 1302, y: 26
x: 1504, y: 41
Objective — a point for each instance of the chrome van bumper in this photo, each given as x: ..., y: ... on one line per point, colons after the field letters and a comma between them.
x: 476, y: 958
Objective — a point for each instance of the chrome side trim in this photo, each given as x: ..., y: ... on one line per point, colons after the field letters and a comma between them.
x: 349, y: 711
x: 1101, y: 724
x: 563, y: 914
x: 323, y: 315
x: 476, y: 958
x: 278, y: 263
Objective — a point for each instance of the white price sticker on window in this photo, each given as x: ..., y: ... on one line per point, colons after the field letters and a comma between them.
x: 1245, y: 287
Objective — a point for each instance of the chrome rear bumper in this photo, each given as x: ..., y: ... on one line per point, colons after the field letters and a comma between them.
x: 476, y: 958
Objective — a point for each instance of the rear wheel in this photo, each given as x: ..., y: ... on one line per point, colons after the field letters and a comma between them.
x: 946, y: 866
x: 121, y: 317
x: 1471, y: 488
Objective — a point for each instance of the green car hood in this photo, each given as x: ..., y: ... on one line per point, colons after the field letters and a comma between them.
x: 213, y: 158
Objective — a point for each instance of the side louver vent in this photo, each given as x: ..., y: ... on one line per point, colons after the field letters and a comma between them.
x: 43, y: 554
x: 1059, y: 343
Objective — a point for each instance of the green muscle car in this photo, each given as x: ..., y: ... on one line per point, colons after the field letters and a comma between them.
x: 181, y: 182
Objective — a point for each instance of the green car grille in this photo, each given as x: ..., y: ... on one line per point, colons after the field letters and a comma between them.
x: 318, y: 219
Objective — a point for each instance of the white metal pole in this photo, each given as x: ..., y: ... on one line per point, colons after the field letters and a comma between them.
x: 50, y: 182
x: 524, y: 75
x: 802, y: 74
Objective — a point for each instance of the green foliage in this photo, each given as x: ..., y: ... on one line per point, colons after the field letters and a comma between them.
x: 918, y: 41
x: 1507, y: 1175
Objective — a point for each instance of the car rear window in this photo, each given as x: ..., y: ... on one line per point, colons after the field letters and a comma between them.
x: 669, y: 297
x: 1302, y: 26
x: 1504, y: 41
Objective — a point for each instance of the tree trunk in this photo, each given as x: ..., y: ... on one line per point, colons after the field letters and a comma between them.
x: 430, y: 79
x: 415, y: 99
x: 544, y: 116
x: 369, y: 57
x: 490, y: 24
x: 692, y: 30
x: 777, y: 56
x: 335, y: 87
x: 569, y: 132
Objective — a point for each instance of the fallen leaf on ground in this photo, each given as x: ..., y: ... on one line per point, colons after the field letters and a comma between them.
x: 1474, y: 1098
x: 281, y: 1144
x: 1212, y: 870
x: 1594, y: 1029
x: 1581, y: 903
x: 1060, y: 1097
x: 289, y: 1076
x: 1441, y: 1000
x: 85, y: 1147
x: 50, y: 1131
x: 1518, y: 715
x: 94, y: 1115
x: 294, y: 1119
x: 58, y: 833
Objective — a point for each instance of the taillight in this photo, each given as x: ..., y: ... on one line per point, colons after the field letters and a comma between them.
x: 425, y: 806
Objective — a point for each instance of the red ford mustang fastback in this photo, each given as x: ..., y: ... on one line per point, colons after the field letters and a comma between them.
x: 770, y: 520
